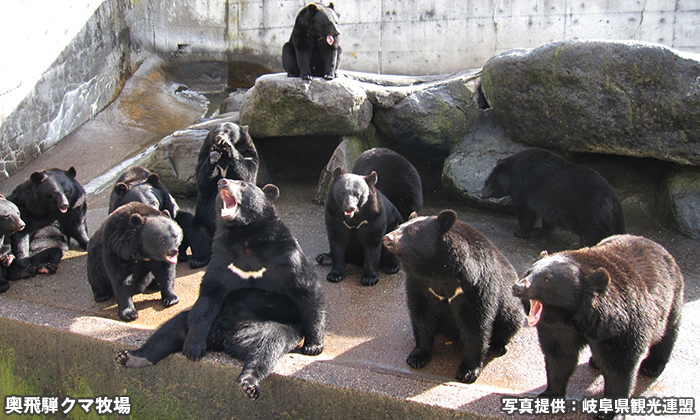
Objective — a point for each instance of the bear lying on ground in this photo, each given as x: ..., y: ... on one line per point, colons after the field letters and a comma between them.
x: 397, y: 178
x: 48, y: 196
x: 227, y: 152
x: 622, y: 297
x: 313, y: 48
x: 562, y: 193
x: 253, y: 249
x: 139, y: 184
x: 10, y: 222
x: 459, y: 284
x: 357, y: 216
x: 135, y: 245
x: 47, y: 246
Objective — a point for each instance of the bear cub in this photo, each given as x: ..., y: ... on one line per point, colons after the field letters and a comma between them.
x: 48, y: 197
x: 459, y: 284
x: 227, y: 152
x: 622, y: 297
x: 135, y: 245
x: 560, y: 192
x: 139, y: 184
x: 253, y: 249
x: 10, y: 222
x: 313, y: 48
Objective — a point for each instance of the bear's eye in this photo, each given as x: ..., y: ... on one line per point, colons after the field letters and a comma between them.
x: 161, y: 240
x: 547, y: 278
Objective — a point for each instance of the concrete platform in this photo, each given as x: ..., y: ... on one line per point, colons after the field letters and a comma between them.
x: 56, y: 341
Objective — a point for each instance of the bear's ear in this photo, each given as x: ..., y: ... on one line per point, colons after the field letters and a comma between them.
x: 446, y: 219
x: 338, y: 172
x: 544, y: 254
x: 311, y: 8
x: 413, y: 215
x: 371, y: 179
x: 136, y: 220
x: 331, y: 6
x: 153, y: 179
x: 166, y: 213
x: 71, y: 172
x: 271, y: 192
x: 599, y: 280
x: 244, y: 129
x: 37, y: 177
x: 121, y: 188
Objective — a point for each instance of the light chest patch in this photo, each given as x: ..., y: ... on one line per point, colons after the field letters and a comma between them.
x: 247, y: 275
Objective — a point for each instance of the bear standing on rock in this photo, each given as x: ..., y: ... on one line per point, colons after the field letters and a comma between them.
x: 313, y: 48
x: 622, y: 297
x: 49, y: 196
x: 135, y: 245
x: 459, y: 284
x: 561, y: 193
x: 253, y: 249
x: 10, y: 222
x: 227, y: 152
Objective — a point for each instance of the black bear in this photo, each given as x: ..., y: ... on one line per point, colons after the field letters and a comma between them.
x: 227, y: 152
x: 313, y: 48
x: 357, y: 217
x: 560, y: 192
x: 254, y: 249
x: 10, y: 222
x: 459, y: 284
x: 135, y: 245
x: 48, y: 196
x: 397, y: 178
x: 47, y: 246
x: 139, y: 184
x: 622, y: 297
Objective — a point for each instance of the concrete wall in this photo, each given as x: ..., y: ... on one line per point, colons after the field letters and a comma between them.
x: 64, y: 60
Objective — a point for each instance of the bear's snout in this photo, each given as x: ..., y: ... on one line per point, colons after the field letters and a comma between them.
x: 520, y: 288
x: 391, y: 240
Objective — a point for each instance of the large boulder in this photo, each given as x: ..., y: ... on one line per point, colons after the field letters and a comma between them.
x: 623, y: 98
x: 679, y: 201
x: 278, y: 105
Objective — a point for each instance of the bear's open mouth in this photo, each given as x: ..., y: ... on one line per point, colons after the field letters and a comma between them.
x: 535, y: 313
x: 330, y: 40
x: 229, y: 204
x: 172, y: 259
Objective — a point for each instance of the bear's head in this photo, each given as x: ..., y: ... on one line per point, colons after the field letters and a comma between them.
x: 159, y: 236
x: 416, y: 241
x: 223, y: 139
x: 558, y: 281
x: 241, y: 203
x: 497, y: 184
x: 149, y: 192
x: 54, y: 188
x: 351, y: 192
x: 10, y: 220
x: 322, y: 22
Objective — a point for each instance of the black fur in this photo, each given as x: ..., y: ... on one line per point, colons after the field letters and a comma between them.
x: 10, y: 222
x: 459, y: 284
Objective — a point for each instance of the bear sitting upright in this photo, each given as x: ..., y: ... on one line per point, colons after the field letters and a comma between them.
x: 227, y: 152
x: 135, y: 245
x: 397, y: 178
x: 313, y: 48
x: 459, y: 284
x: 357, y: 216
x: 48, y: 196
x: 10, y: 222
x: 562, y: 193
x: 622, y: 297
x: 139, y: 184
x: 260, y: 294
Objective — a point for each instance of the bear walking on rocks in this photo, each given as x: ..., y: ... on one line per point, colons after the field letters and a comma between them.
x: 357, y: 216
x: 49, y: 196
x: 227, y: 152
x: 397, y: 178
x: 253, y: 249
x: 458, y: 284
x: 313, y: 48
x: 10, y: 222
x: 135, y: 245
x: 139, y: 184
x: 622, y: 297
x: 562, y: 193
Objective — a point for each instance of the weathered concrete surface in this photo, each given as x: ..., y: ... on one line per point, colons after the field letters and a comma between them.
x: 619, y: 98
x: 57, y: 341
